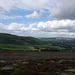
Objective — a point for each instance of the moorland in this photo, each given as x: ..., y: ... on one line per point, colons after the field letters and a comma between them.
x: 21, y: 55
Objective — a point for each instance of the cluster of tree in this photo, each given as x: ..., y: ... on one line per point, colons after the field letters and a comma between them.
x: 52, y: 49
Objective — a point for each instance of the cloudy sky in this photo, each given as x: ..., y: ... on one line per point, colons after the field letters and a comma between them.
x: 38, y: 18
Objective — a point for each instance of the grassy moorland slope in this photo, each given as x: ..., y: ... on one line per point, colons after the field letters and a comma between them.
x: 14, y: 42
x: 18, y: 40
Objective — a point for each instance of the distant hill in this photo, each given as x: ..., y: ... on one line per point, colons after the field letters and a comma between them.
x: 58, y: 39
x: 14, y: 42
x: 19, y: 40
x: 67, y: 43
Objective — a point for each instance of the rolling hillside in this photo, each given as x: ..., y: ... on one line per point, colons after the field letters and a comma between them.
x: 14, y: 42
x: 18, y: 40
x: 67, y: 43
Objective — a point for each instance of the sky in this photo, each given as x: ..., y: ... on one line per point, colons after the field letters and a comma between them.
x: 38, y: 18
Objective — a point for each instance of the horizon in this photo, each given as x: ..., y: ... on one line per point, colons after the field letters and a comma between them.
x: 38, y: 37
x: 38, y: 18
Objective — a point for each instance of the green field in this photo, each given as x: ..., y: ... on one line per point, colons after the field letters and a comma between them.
x: 14, y: 47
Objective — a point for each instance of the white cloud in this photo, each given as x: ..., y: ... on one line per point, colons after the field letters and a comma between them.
x: 8, y: 5
x: 65, y: 10
x: 5, y: 17
x: 33, y: 15
x: 57, y: 28
x: 59, y: 9
x: 15, y: 27
x: 42, y: 11
x: 2, y: 27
